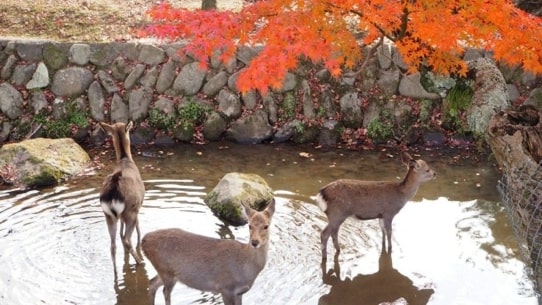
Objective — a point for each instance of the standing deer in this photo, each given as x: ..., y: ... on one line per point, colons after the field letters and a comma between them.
x: 218, y: 265
x: 122, y: 191
x: 369, y: 200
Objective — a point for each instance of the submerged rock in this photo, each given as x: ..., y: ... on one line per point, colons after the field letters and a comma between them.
x: 235, y: 190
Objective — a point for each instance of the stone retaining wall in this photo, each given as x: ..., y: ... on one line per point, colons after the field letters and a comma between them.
x: 62, y: 89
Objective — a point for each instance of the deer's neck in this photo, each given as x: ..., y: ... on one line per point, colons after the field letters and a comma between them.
x: 409, y: 186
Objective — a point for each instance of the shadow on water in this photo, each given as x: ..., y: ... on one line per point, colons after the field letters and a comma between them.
x: 452, y: 243
x: 385, y: 285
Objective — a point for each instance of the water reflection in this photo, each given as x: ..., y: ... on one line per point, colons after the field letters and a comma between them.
x: 452, y: 243
x: 386, y: 285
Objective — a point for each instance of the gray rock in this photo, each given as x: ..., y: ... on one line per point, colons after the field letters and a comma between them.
x: 535, y: 98
x: 22, y: 74
x: 79, y: 54
x: 134, y: 76
x: 229, y: 104
x: 513, y: 92
x: 232, y: 81
x: 253, y: 129
x: 410, y: 86
x: 138, y: 103
x: 329, y: 134
x: 11, y: 101
x: 271, y: 108
x: 151, y: 55
x: 103, y: 54
x: 129, y: 50
x: 214, y: 126
x: 4, y: 132
x: 289, y: 83
x: 8, y: 67
x: 166, y: 76
x: 306, y: 99
x: 350, y: 107
x: 96, y: 101
x: 234, y: 190
x: 42, y: 162
x: 388, y: 81
x: 119, y: 109
x: 190, y: 79
x: 30, y: 51
x: 38, y: 101
x: 107, y: 82
x: 54, y: 56
x: 286, y: 131
x: 215, y: 83
x: 59, y: 109
x: 71, y: 81
x: 250, y: 99
x: 120, y: 69
x: 326, y: 102
x: 40, y: 79
x: 245, y: 54
x: 149, y: 79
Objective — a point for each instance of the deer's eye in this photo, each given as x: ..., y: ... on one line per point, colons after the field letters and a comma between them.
x: 250, y: 227
x: 265, y: 227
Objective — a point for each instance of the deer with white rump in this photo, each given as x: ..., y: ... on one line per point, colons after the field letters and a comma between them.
x: 226, y: 266
x: 122, y: 192
x: 369, y: 200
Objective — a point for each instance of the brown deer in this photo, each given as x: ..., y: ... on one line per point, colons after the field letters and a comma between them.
x: 122, y: 192
x: 209, y: 264
x: 369, y: 200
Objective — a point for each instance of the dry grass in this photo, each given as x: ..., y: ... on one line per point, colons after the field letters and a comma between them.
x: 82, y: 20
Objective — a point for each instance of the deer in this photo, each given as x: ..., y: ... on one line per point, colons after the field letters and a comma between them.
x: 224, y: 266
x: 122, y: 191
x: 366, y: 200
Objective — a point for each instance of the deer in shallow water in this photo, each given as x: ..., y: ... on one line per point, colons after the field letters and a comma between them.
x: 122, y: 191
x: 364, y: 200
x: 226, y: 266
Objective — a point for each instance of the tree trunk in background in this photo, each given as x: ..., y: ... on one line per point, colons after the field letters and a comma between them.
x: 208, y: 5
x: 515, y: 137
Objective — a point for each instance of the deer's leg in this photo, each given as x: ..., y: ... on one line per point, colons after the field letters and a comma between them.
x: 130, y: 225
x: 168, y: 287
x: 112, y: 227
x: 332, y: 229
x: 154, y: 284
x: 385, y: 225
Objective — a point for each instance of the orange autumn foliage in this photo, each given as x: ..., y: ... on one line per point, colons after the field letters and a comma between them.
x: 433, y: 33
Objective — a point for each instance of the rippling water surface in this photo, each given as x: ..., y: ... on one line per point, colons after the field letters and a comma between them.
x: 453, y: 243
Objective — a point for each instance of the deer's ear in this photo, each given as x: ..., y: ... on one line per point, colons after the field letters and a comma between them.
x: 129, y: 126
x: 406, y: 158
x: 270, y: 209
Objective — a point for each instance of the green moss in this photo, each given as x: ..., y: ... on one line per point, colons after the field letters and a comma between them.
x: 380, y: 128
x: 161, y: 120
x: 288, y: 106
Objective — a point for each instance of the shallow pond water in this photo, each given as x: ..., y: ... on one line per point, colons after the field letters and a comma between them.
x: 452, y: 244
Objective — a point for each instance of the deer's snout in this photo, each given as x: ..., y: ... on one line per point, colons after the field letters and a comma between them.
x: 255, y: 243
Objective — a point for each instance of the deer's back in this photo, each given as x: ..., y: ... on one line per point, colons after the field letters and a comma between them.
x: 366, y: 199
x: 202, y: 262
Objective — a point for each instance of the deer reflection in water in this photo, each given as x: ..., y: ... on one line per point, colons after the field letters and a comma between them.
x: 386, y: 285
x: 132, y: 287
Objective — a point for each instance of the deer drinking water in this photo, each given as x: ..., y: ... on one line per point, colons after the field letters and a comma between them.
x: 369, y: 200
x: 122, y: 192
x: 209, y: 264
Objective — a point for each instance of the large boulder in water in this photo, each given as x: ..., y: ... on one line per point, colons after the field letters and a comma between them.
x: 41, y: 162
x: 233, y: 191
